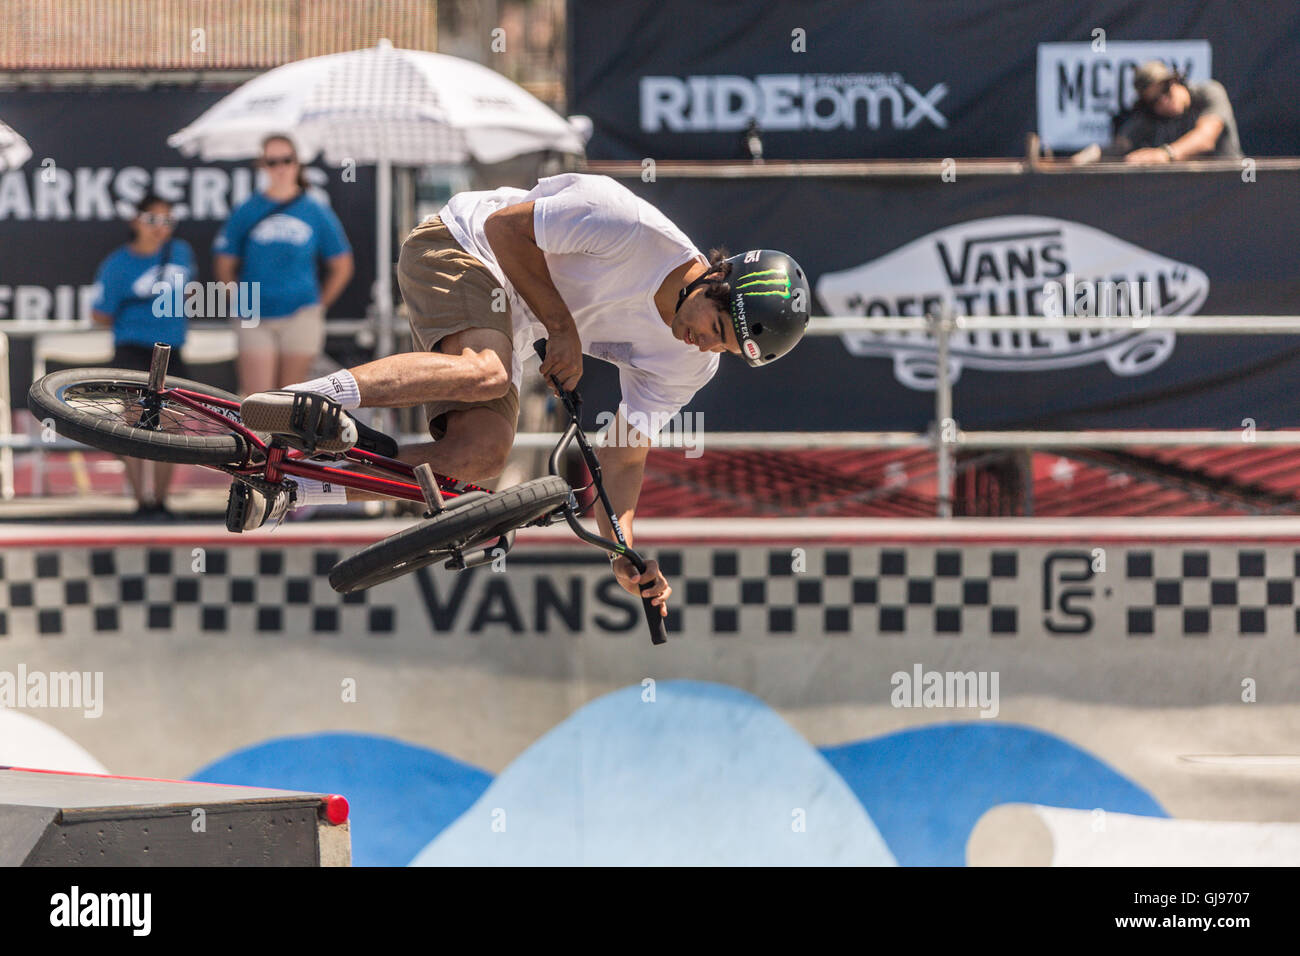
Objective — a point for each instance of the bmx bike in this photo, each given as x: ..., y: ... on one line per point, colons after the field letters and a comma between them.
x: 150, y: 415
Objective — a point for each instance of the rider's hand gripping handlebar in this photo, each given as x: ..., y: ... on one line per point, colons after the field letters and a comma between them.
x: 572, y: 404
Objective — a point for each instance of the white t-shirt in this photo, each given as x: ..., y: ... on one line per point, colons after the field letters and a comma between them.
x: 608, y: 252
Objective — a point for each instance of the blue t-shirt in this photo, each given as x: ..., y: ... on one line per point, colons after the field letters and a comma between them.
x: 124, y: 289
x: 280, y: 254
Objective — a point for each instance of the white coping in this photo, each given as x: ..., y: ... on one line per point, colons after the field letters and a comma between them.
x: 699, y: 531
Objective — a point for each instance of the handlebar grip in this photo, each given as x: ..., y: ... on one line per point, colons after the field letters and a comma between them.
x: 655, y: 620
x: 539, y: 346
x: 652, y: 616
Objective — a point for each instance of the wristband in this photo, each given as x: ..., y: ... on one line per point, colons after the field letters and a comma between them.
x: 1169, y: 151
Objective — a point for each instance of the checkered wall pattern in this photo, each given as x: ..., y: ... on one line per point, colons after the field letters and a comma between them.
x: 885, y: 590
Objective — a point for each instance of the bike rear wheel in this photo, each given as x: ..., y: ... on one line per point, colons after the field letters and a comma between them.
x: 102, y: 407
x: 472, y: 525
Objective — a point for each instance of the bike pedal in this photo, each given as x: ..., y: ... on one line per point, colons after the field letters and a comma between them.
x: 305, y: 420
x: 314, y: 417
x: 237, y: 505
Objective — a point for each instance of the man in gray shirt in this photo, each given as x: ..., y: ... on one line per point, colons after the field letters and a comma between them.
x: 1173, y: 121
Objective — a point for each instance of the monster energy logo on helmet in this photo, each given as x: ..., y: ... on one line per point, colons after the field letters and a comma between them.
x: 769, y: 306
x: 775, y: 277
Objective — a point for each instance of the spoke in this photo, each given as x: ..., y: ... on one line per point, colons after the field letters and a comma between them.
x: 123, y: 402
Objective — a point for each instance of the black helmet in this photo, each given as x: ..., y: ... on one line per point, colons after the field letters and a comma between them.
x: 770, y: 303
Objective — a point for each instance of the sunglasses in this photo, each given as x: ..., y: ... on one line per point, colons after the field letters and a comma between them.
x: 273, y: 161
x: 1160, y: 89
x: 156, y: 219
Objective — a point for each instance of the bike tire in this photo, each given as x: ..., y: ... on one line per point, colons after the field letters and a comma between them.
x: 432, y: 540
x: 46, y: 400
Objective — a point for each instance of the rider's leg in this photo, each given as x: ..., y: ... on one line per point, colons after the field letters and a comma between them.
x: 415, y: 378
x: 475, y: 448
x: 474, y: 435
x: 462, y: 328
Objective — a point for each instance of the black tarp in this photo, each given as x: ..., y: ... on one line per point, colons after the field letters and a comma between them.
x: 834, y: 79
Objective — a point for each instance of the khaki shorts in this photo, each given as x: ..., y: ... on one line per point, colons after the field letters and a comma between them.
x: 447, y: 290
x: 302, y: 333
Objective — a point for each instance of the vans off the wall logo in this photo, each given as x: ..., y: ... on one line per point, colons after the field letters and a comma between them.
x: 778, y: 102
x: 1016, y: 265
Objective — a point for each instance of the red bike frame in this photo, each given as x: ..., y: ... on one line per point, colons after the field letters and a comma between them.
x: 281, y: 461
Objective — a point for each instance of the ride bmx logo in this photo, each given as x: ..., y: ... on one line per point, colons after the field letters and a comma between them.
x: 787, y: 102
x: 1016, y: 265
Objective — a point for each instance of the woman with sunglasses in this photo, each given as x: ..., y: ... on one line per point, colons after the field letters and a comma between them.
x: 126, y: 300
x: 274, y: 240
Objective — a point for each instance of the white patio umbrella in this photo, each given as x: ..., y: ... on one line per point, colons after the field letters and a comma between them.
x: 386, y: 107
x: 14, y: 150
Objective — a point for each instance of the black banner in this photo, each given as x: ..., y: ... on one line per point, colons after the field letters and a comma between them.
x: 94, y: 153
x: 1167, y: 244
x: 836, y: 79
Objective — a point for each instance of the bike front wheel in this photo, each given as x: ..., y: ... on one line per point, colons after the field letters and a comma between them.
x: 107, y: 408
x: 458, y: 528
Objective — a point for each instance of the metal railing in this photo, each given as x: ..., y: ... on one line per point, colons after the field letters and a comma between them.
x: 947, y: 437
x: 944, y: 436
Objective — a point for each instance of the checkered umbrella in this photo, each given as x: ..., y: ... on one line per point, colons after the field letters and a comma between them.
x: 381, y: 106
x: 403, y: 106
x: 14, y: 150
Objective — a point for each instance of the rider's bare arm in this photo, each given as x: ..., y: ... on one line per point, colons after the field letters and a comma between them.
x: 623, y: 467
x: 510, y: 233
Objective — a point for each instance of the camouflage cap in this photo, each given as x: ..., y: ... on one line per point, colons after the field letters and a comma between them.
x: 1151, y: 73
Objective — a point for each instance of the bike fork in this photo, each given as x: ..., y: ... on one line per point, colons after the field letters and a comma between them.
x: 459, y: 560
x: 152, y: 401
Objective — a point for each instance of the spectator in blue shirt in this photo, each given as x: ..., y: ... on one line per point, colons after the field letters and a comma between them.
x: 274, y: 240
x: 126, y: 300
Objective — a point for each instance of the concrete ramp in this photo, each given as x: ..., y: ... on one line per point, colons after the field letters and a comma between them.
x: 51, y: 818
x: 1031, y: 835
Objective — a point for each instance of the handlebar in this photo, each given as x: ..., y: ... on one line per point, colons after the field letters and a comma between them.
x: 573, y: 403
